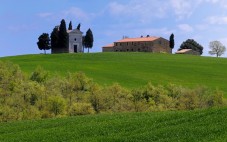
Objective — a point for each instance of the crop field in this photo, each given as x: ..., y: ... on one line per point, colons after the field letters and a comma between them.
x: 199, y: 125
x: 133, y: 69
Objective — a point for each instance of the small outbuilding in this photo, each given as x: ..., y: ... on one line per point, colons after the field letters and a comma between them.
x: 188, y: 51
x: 108, y: 48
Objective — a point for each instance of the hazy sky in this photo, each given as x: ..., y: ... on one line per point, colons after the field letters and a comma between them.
x: 22, y: 21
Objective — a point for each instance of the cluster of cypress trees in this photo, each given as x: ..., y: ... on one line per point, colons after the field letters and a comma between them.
x: 59, y: 38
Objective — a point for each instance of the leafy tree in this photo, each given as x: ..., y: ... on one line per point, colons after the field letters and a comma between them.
x: 63, y: 35
x: 88, y: 40
x: 54, y: 38
x: 57, y: 105
x: 44, y: 42
x: 39, y: 75
x: 217, y: 48
x: 70, y: 26
x: 78, y: 27
x: 191, y: 44
x: 96, y: 97
x: 171, y: 41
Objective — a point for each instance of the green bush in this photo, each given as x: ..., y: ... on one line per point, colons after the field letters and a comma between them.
x: 39, y: 75
x: 56, y: 105
x: 81, y: 109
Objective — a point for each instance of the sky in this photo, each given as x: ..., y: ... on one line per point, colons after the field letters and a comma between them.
x: 22, y: 22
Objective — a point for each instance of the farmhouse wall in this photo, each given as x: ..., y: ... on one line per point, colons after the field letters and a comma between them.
x: 158, y: 45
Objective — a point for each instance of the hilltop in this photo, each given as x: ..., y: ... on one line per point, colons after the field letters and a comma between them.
x: 133, y: 69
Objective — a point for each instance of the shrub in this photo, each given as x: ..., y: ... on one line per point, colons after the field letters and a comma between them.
x: 56, y: 105
x: 138, y: 100
x: 96, y: 97
x: 78, y: 81
x: 215, y: 98
x: 188, y: 100
x: 81, y: 109
x: 116, y: 99
x: 39, y: 75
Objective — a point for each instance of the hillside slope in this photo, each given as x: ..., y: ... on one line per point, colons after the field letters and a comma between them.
x: 133, y: 69
x: 202, y: 125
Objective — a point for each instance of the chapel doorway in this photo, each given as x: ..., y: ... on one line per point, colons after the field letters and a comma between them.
x: 75, y: 48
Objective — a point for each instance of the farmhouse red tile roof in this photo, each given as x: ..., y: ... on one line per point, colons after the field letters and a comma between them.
x: 138, y: 39
x: 109, y: 45
x: 183, y: 50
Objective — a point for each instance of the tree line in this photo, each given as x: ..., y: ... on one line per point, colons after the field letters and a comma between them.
x: 41, y: 96
x: 59, y: 38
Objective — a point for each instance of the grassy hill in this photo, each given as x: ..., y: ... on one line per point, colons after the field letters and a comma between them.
x: 133, y: 69
x: 202, y: 125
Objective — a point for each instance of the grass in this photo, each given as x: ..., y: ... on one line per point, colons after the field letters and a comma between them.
x: 133, y: 69
x: 130, y: 70
x: 200, y: 125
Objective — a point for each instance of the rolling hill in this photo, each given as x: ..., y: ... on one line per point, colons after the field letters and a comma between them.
x: 133, y: 69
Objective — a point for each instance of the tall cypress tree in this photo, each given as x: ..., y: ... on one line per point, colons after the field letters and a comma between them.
x: 78, y: 27
x: 70, y: 26
x: 89, y: 39
x: 171, y: 41
x: 63, y: 35
x: 54, y: 38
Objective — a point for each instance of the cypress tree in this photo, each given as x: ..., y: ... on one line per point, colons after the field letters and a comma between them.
x: 88, y: 41
x: 70, y: 26
x: 171, y: 41
x: 78, y: 27
x: 63, y: 35
x: 54, y: 38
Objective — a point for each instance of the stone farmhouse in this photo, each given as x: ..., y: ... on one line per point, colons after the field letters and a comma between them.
x: 75, y: 43
x: 142, y: 44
